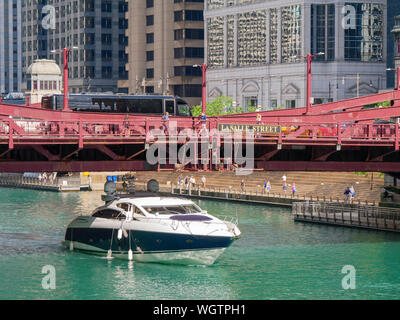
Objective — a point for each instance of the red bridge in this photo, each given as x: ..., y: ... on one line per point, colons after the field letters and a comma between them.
x: 339, y: 136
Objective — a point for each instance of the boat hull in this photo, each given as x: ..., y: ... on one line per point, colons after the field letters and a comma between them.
x: 161, y: 247
x: 185, y: 257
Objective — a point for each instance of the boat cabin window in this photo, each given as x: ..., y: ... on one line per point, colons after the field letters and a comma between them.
x: 124, y: 206
x: 178, y: 209
x: 109, y: 214
x: 136, y: 210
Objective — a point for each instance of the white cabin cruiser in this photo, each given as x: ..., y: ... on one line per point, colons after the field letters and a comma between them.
x: 151, y: 228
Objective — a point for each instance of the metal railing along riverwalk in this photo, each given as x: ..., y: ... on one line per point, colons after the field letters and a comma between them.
x: 57, y: 184
x: 346, y: 214
x: 251, y: 195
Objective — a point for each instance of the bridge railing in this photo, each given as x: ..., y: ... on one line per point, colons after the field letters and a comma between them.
x: 150, y: 128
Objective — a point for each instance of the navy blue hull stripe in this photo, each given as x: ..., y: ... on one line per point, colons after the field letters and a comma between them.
x: 146, y: 241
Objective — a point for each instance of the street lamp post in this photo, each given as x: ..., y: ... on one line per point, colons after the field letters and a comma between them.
x: 203, y: 86
x: 65, y: 52
x: 310, y: 57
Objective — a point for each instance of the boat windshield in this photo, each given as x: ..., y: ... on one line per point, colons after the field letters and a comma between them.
x: 177, y: 209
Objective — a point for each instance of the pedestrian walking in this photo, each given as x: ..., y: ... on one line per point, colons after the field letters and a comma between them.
x: 293, y: 189
x: 186, y: 181
x: 268, y: 187
x: 192, y: 181
x: 285, y: 187
x: 242, y: 185
x: 203, y: 182
x: 352, y: 193
x: 347, y: 193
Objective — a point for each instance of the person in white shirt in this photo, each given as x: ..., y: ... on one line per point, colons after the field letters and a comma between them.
x: 284, y: 178
x: 203, y: 181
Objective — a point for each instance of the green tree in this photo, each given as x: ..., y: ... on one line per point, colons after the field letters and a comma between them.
x: 222, y: 105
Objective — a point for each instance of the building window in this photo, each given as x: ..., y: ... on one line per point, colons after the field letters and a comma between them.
x: 106, y: 6
x: 323, y: 31
x: 250, y: 102
x: 149, y: 37
x: 150, y: 89
x: 149, y: 55
x: 106, y: 72
x: 252, y: 38
x: 364, y: 40
x: 290, y: 104
x: 291, y: 33
x: 178, y: 16
x: 149, y: 3
x: 230, y: 35
x: 273, y: 104
x: 178, y: 53
x: 194, y: 15
x: 150, y: 73
x: 194, y: 34
x: 106, y: 55
x: 215, y: 4
x: 188, y: 90
x: 187, y: 71
x: 178, y: 34
x: 149, y: 20
x: 215, y: 34
x: 106, y: 23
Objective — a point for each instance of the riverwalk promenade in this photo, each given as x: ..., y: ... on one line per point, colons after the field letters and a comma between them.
x: 348, y: 215
x: 59, y: 184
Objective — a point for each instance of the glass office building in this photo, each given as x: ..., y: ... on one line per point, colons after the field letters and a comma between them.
x: 95, y: 27
x: 10, y: 46
x: 256, y: 48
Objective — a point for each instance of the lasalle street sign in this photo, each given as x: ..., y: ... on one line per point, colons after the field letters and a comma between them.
x: 258, y: 128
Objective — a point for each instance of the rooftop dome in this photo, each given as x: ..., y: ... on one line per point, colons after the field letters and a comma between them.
x: 44, y: 66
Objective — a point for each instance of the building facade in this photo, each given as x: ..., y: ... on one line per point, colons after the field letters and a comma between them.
x: 96, y: 28
x: 393, y: 11
x: 256, y: 48
x: 396, y: 37
x: 166, y: 40
x: 10, y: 46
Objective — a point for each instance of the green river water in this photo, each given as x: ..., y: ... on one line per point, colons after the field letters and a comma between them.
x: 275, y: 258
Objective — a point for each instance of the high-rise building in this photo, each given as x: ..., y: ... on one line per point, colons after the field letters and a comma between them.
x: 393, y: 10
x: 256, y: 48
x: 10, y: 46
x: 95, y: 27
x: 166, y: 40
x: 396, y: 35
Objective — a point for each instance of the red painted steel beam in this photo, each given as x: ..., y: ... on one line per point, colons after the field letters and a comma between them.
x: 356, y: 103
x: 328, y: 166
x: 70, y: 166
x: 138, y: 165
